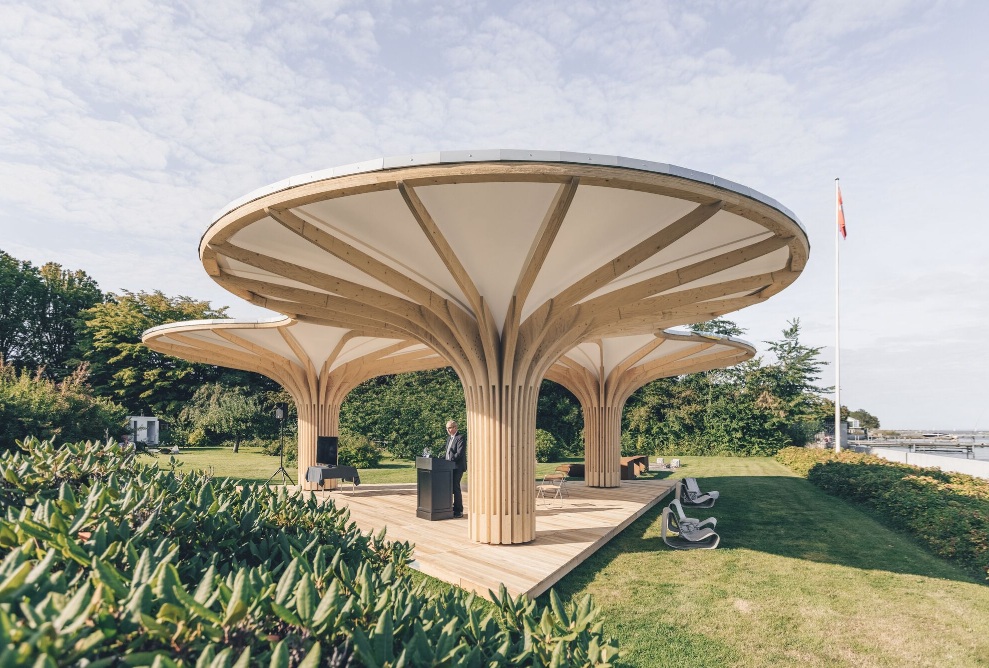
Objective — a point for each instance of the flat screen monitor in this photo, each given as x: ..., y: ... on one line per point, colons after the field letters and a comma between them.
x: 326, y: 450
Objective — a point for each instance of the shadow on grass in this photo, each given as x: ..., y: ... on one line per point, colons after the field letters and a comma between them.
x: 785, y: 516
x: 393, y: 465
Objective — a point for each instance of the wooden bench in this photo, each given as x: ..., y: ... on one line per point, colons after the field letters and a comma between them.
x: 572, y: 470
x: 632, y: 466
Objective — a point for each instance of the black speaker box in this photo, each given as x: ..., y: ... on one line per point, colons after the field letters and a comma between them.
x: 326, y: 450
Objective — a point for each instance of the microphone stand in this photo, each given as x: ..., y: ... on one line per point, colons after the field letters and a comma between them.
x: 280, y: 416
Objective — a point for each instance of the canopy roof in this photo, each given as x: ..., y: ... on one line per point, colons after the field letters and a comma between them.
x: 523, y: 240
x: 292, y: 353
x: 617, y: 366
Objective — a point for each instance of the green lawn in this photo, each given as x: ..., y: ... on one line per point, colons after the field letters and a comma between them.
x: 800, y: 579
x: 252, y: 465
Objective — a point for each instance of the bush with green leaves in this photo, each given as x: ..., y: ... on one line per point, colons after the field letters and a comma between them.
x: 105, y: 561
x: 358, y: 451
x: 30, y: 403
x: 947, y: 512
x: 548, y: 449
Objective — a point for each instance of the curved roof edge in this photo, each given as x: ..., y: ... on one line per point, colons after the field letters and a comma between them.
x: 710, y: 335
x: 224, y: 322
x: 506, y: 155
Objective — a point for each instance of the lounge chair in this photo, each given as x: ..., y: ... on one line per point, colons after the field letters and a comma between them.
x: 691, y: 495
x: 682, y: 536
x: 690, y: 522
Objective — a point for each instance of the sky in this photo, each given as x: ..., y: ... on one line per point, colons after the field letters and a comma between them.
x: 126, y: 125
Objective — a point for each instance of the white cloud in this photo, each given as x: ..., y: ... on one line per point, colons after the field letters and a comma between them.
x: 126, y: 125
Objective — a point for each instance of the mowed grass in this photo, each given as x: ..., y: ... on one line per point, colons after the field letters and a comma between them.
x: 801, y: 579
x: 252, y: 465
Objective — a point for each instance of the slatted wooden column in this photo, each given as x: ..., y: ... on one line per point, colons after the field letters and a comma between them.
x: 602, y: 446
x: 315, y: 420
x: 501, y: 458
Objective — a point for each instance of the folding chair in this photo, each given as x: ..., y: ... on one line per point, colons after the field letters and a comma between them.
x: 552, y: 487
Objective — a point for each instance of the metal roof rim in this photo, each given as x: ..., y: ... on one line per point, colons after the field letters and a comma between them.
x: 505, y: 155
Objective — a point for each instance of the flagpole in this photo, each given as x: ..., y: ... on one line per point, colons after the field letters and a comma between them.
x: 837, y: 323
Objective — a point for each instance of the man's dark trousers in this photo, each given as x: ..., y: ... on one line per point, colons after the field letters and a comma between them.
x: 458, y: 497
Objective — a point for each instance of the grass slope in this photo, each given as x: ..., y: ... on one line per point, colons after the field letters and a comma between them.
x: 801, y: 579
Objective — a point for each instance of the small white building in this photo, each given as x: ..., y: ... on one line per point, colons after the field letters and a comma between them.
x: 144, y: 429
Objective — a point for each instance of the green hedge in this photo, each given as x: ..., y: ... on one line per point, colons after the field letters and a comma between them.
x: 947, y: 512
x: 106, y: 561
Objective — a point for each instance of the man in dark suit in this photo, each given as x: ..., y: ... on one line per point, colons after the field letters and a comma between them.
x: 456, y: 452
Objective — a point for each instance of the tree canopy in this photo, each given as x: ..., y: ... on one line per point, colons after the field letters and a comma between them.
x: 57, y: 327
x: 41, y: 315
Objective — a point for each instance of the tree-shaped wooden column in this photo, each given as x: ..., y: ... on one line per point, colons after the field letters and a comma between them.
x: 317, y: 365
x: 604, y: 373
x: 502, y: 261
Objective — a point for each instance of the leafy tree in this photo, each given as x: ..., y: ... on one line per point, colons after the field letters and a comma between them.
x: 32, y: 405
x: 57, y: 318
x: 227, y: 412
x: 407, y: 410
x: 751, y: 408
x: 132, y: 374
x: 40, y: 315
x: 867, y: 419
x: 560, y: 414
x: 20, y: 288
x: 721, y: 326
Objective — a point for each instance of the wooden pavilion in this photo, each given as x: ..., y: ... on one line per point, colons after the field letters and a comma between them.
x: 502, y: 262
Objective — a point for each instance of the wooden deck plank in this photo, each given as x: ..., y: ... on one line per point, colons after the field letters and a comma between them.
x: 565, y: 536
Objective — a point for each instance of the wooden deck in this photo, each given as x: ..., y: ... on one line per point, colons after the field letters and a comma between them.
x: 565, y: 536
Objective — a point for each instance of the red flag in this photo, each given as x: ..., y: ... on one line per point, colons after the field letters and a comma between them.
x: 840, y: 213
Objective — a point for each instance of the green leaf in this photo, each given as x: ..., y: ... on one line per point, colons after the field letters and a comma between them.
x: 195, y: 606
x: 286, y: 615
x: 312, y: 658
x: 13, y: 582
x: 286, y: 584
x: 305, y: 594
x: 205, y: 587
x: 279, y: 657
x: 236, y: 608
x: 110, y: 577
x: 75, y: 607
x: 558, y: 610
x: 245, y: 659
x: 363, y: 647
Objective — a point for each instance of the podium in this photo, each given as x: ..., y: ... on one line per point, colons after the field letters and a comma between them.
x: 434, y: 478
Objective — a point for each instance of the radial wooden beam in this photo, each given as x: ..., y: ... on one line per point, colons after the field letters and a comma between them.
x: 502, y: 265
x: 317, y: 365
x: 604, y: 373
